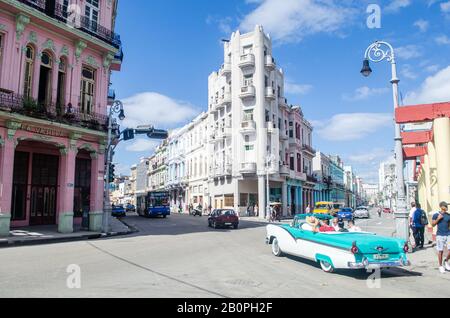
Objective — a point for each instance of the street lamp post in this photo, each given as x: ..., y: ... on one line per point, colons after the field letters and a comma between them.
x: 378, y: 52
x: 116, y: 108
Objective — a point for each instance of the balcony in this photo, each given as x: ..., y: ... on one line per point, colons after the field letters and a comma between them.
x: 270, y: 62
x: 247, y: 60
x: 300, y: 176
x: 225, y: 69
x: 311, y: 179
x: 248, y: 168
x: 283, y: 102
x: 248, y: 127
x: 284, y: 170
x: 270, y: 93
x: 284, y: 135
x: 309, y: 150
x: 224, y: 100
x: 60, y: 13
x: 71, y: 116
x: 294, y: 142
x: 247, y: 92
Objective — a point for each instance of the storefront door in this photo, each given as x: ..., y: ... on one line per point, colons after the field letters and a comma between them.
x: 44, y: 183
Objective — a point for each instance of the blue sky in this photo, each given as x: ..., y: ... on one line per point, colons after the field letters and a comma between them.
x: 171, y: 46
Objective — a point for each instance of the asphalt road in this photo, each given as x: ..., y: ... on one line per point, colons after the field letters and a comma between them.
x: 182, y: 257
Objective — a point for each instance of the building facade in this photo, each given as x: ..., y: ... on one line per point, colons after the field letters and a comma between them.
x: 388, y: 185
x: 54, y: 82
x: 177, y: 180
x: 158, y: 170
x: 337, y: 179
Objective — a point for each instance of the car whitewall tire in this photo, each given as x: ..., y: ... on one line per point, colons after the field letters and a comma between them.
x: 326, y: 267
x: 276, y: 250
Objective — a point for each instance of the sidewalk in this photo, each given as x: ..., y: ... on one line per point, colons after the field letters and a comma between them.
x: 48, y: 234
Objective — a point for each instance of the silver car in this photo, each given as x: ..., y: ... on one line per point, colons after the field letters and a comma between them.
x: 361, y: 213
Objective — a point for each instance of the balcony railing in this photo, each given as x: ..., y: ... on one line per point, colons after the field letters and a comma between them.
x: 37, y: 4
x: 28, y: 107
x: 309, y: 149
x: 59, y: 12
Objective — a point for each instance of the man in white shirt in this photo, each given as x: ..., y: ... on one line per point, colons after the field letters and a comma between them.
x: 412, y: 212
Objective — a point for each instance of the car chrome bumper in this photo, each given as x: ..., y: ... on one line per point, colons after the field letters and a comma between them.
x: 378, y: 265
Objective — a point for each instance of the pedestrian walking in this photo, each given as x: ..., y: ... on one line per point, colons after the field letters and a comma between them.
x: 308, y: 209
x: 441, y: 220
x: 419, y: 222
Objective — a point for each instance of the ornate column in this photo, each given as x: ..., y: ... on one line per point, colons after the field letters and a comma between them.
x: 284, y: 198
x: 66, y: 190
x: 442, y: 146
x: 97, y: 191
x: 7, y: 149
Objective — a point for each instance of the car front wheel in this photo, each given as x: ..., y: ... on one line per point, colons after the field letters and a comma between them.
x: 276, y: 250
x: 326, y: 267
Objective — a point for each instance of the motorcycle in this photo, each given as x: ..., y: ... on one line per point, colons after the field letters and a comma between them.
x: 197, y: 212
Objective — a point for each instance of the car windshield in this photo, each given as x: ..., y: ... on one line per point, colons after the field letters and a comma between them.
x: 362, y: 208
x: 322, y: 206
x: 346, y: 210
x: 226, y: 213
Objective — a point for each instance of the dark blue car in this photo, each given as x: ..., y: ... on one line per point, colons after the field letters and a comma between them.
x: 345, y: 214
x: 118, y: 211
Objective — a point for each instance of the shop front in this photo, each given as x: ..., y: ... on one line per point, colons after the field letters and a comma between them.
x: 50, y: 176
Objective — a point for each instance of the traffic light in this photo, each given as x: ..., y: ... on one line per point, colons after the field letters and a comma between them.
x: 128, y: 134
x: 112, y: 173
x: 158, y: 134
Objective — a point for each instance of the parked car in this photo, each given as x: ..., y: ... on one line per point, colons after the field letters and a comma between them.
x: 361, y: 213
x: 336, y: 250
x: 223, y: 218
x: 387, y: 210
x: 118, y: 211
x: 345, y: 214
x: 130, y: 208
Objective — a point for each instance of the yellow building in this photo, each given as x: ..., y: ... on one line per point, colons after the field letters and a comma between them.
x: 430, y: 151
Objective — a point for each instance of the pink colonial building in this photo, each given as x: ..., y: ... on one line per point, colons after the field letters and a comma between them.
x: 56, y: 57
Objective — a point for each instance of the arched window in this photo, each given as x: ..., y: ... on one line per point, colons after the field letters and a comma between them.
x: 87, y: 90
x: 45, y: 79
x: 60, y: 97
x: 29, y: 64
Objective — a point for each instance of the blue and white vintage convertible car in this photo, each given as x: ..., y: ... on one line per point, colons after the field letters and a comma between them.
x: 336, y: 250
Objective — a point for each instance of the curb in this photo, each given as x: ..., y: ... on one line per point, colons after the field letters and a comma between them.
x: 46, y: 241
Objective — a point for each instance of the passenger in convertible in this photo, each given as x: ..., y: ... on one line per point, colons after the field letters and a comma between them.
x: 325, y: 227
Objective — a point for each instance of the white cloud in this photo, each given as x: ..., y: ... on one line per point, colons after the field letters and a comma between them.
x: 423, y: 25
x: 445, y: 7
x: 155, y: 109
x: 432, y: 68
x: 297, y: 89
x: 224, y: 24
x: 396, y: 5
x: 435, y: 89
x: 407, y: 71
x: 143, y: 145
x: 408, y: 52
x: 443, y: 40
x: 364, y: 93
x: 292, y: 20
x: 349, y: 127
x: 369, y: 157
